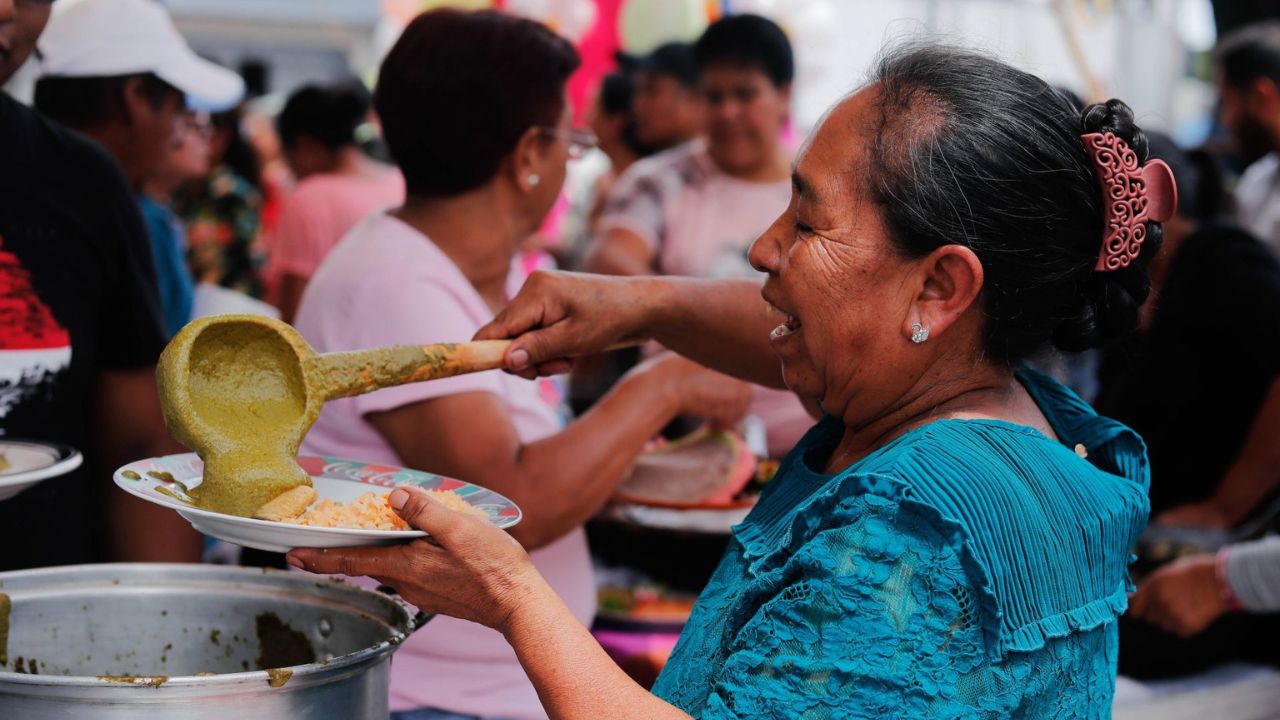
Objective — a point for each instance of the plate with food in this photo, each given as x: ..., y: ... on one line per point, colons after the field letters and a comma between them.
x: 703, y: 470
x: 25, y: 463
x: 345, y: 505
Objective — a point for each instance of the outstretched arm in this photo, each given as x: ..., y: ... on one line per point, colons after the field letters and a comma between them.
x: 722, y: 324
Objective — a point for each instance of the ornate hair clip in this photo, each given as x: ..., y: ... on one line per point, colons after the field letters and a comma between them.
x: 1132, y: 196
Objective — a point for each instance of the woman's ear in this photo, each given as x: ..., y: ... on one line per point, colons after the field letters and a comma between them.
x: 950, y: 281
x: 527, y: 160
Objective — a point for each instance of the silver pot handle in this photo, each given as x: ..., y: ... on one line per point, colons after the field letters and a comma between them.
x: 419, y: 619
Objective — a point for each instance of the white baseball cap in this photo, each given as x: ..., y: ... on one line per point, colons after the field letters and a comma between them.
x: 97, y: 38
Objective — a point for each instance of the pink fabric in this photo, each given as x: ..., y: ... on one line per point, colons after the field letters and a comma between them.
x: 387, y: 284
x: 319, y: 211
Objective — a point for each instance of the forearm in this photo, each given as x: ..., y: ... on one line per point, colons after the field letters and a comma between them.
x: 722, y: 324
x: 564, y: 479
x: 573, y: 675
x: 1255, y: 473
x: 129, y: 427
x: 139, y: 531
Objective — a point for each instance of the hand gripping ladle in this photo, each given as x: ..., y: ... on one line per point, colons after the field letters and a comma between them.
x: 242, y: 391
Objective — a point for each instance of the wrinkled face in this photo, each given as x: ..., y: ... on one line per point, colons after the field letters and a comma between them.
x: 21, y: 22
x: 839, y: 287
x: 745, y: 115
x: 666, y: 112
x: 1239, y: 112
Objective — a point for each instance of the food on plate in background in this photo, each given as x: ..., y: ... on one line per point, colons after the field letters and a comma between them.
x: 701, y: 469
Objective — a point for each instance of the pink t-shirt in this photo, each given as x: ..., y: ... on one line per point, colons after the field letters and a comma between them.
x: 388, y: 284
x: 700, y: 222
x: 322, y: 209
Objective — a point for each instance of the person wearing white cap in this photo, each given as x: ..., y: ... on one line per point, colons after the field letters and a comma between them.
x: 119, y: 71
x: 79, y: 335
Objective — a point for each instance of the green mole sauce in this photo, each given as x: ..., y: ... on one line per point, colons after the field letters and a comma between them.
x: 248, y: 411
x: 5, y: 606
x: 277, y: 677
x: 241, y: 402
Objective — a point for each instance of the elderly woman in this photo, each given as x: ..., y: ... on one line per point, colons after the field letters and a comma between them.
x: 951, y: 540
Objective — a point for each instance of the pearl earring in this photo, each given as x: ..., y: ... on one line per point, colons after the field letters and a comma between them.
x: 534, y: 179
x: 919, y: 333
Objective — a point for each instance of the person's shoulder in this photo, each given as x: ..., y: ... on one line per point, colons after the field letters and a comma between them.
x: 383, y: 255
x: 55, y: 150
x: 1235, y: 258
x: 673, y: 165
x: 1231, y: 246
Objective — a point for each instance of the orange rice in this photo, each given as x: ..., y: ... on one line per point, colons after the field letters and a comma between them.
x: 371, y: 511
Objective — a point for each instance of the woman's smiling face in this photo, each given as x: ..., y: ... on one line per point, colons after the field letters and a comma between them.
x: 842, y: 291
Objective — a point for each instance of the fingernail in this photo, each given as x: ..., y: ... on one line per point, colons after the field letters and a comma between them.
x: 398, y: 498
x: 519, y: 359
x: 294, y: 561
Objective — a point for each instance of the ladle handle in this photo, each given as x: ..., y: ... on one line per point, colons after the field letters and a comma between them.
x: 343, y: 374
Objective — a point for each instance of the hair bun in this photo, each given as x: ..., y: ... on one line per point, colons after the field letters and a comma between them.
x: 1109, y: 301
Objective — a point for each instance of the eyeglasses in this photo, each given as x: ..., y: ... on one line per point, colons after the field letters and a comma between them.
x: 580, y: 141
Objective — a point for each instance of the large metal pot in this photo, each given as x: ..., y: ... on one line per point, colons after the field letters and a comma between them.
x: 117, y: 642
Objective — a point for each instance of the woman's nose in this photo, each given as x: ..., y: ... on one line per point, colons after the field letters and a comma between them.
x: 766, y: 251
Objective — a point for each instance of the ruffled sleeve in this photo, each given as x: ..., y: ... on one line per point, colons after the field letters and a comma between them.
x: 874, y: 618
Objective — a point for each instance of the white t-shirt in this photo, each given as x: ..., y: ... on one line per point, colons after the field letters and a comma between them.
x: 1258, y: 201
x: 700, y: 222
x: 388, y: 284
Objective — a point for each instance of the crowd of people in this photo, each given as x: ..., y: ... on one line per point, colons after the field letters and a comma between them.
x: 949, y: 533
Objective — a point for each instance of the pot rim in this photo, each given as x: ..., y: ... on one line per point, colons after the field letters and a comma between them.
x: 127, y: 574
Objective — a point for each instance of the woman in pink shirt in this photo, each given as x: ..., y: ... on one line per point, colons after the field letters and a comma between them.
x: 474, y: 112
x: 338, y: 184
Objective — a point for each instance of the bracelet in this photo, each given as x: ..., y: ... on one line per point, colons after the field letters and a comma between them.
x: 1229, y: 598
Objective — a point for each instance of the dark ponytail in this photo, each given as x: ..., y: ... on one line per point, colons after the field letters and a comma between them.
x: 968, y: 150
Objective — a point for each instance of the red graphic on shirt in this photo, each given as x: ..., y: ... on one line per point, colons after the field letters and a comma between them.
x: 34, y: 348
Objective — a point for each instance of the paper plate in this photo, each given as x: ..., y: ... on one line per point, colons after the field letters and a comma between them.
x: 31, y: 462
x: 333, y: 478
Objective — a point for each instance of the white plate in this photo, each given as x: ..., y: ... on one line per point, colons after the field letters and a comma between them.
x: 336, y: 479
x: 31, y: 462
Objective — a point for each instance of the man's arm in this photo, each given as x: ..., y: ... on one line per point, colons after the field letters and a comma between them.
x: 619, y: 251
x: 128, y: 426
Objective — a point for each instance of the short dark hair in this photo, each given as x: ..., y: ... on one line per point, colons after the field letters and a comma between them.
x: 616, y: 91
x: 1248, y: 53
x: 328, y: 114
x: 673, y: 60
x: 747, y: 41
x: 968, y: 150
x: 458, y: 90
x: 88, y: 102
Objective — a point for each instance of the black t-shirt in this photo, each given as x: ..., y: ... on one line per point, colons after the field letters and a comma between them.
x: 1192, y: 385
x: 77, y: 296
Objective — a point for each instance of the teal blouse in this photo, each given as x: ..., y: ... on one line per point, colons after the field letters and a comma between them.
x: 967, y: 569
